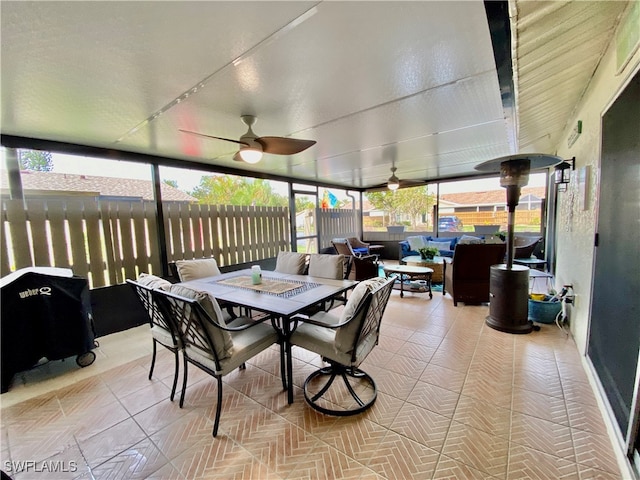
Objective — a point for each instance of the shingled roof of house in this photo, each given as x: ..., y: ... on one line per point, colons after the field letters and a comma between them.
x: 103, y: 186
x: 489, y: 197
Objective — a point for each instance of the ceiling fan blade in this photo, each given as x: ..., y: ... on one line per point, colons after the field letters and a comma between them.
x: 284, y: 145
x: 215, y: 138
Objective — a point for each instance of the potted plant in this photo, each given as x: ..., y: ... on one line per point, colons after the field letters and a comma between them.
x: 427, y: 253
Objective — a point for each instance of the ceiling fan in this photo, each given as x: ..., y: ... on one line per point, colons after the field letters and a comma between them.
x: 394, y: 183
x: 252, y: 146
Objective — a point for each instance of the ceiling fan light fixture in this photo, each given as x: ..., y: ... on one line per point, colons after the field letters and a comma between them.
x: 394, y: 182
x: 250, y: 154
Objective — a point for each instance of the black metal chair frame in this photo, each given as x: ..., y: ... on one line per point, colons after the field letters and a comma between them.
x: 194, y: 334
x: 157, y: 318
x: 369, y: 313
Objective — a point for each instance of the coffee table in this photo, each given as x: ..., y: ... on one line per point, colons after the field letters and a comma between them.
x: 409, y: 273
x: 435, y: 264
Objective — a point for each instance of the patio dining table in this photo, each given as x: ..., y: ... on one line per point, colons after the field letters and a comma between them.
x: 279, y: 295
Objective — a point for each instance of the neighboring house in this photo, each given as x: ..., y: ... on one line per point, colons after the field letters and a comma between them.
x: 50, y: 184
x: 490, y: 200
x: 483, y: 201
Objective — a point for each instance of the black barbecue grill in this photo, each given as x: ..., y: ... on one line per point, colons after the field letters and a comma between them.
x: 46, y: 313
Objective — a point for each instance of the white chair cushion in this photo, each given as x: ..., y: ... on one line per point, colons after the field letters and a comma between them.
x: 221, y: 339
x: 246, y: 344
x: 164, y: 336
x: 291, y: 262
x: 326, y: 266
x: 195, y: 269
x: 345, y: 336
x: 323, y: 341
x: 153, y: 281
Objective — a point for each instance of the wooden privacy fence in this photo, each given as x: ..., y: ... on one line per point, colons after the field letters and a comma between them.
x: 334, y: 222
x: 109, y: 241
x: 524, y: 218
x: 230, y: 234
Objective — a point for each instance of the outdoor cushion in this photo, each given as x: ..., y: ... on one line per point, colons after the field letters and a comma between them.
x: 326, y: 266
x: 291, y: 262
x: 153, y: 281
x: 470, y: 239
x: 246, y: 344
x: 194, y: 269
x: 345, y: 335
x: 441, y: 246
x: 416, y: 242
x: 221, y: 339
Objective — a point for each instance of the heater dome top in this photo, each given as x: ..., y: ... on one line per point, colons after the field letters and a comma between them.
x: 538, y: 161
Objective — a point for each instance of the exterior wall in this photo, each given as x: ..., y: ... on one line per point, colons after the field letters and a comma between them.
x: 576, y: 227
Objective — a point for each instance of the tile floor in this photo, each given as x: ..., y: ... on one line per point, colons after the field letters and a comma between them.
x: 456, y: 400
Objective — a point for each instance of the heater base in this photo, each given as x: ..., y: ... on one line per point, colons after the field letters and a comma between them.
x: 509, y: 299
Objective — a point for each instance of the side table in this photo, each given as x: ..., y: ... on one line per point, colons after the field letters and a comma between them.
x: 436, y: 264
x: 408, y: 273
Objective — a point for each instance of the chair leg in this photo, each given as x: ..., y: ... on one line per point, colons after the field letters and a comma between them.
x: 175, y: 374
x: 153, y: 359
x: 216, y: 422
x: 184, y: 379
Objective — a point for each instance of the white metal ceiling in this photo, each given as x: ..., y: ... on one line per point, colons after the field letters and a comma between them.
x: 374, y: 83
x: 557, y: 47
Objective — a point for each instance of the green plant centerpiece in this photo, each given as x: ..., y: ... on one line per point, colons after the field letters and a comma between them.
x: 427, y: 253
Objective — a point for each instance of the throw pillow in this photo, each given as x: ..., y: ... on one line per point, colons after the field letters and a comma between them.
x: 221, y: 339
x: 441, y: 246
x: 415, y: 243
x: 469, y: 239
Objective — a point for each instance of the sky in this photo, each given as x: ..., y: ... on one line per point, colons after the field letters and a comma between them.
x: 189, y: 179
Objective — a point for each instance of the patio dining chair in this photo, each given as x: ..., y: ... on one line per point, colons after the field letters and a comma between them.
x: 163, y: 330
x: 335, y: 267
x: 198, y: 268
x: 344, y: 342
x: 209, y: 343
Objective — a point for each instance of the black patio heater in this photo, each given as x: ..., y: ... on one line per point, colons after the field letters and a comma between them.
x: 509, y: 283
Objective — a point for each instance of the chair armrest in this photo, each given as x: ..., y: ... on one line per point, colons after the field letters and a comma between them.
x: 302, y: 318
x: 356, y: 242
x: 239, y: 328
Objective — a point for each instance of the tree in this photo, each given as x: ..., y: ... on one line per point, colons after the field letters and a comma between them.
x: 386, y: 201
x: 232, y: 190
x: 412, y: 202
x: 35, y: 160
x: 303, y: 203
x: 171, y: 183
